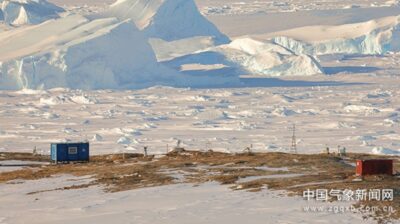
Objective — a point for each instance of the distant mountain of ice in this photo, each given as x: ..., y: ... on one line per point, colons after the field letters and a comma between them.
x: 168, y: 20
x: 78, y: 53
x: 96, y: 53
x: 269, y: 59
x: 372, y: 37
x: 112, y: 50
x: 242, y: 56
x: 1, y: 14
x: 22, y: 12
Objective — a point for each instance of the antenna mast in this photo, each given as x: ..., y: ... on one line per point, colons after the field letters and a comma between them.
x: 293, y: 148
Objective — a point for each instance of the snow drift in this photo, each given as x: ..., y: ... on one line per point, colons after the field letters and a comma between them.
x: 168, y: 20
x: 22, y: 12
x: 371, y: 37
x: 384, y: 151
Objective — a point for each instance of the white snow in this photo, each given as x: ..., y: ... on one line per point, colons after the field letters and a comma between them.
x: 178, y: 203
x: 167, y: 50
x: 124, y: 141
x: 273, y: 176
x: 250, y: 7
x: 385, y: 151
x: 82, y: 99
x: 185, y: 50
x: 360, y: 109
x: 153, y: 43
x: 97, y: 138
x: 229, y: 118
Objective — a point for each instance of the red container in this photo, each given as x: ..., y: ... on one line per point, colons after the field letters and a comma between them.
x: 374, y: 167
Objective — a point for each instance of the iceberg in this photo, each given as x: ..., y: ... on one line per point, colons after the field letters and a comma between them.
x: 23, y: 12
x: 372, y: 37
x: 75, y: 52
x: 168, y: 20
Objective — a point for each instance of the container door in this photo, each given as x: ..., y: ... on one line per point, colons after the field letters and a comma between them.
x: 84, y: 152
x: 53, y: 152
x: 360, y: 168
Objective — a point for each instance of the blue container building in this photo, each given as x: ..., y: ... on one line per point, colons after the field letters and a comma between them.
x: 69, y: 152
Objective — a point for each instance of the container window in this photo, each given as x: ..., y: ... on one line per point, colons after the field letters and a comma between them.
x: 72, y: 150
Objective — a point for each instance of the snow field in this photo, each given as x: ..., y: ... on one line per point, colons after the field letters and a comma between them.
x: 228, y: 119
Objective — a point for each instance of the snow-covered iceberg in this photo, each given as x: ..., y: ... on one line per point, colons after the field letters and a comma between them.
x: 78, y: 53
x: 168, y: 20
x: 269, y: 59
x: 97, y: 52
x: 372, y: 37
x: 109, y: 51
x: 1, y: 14
x: 245, y: 56
x: 22, y: 12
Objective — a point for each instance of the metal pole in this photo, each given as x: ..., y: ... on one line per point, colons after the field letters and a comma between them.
x: 294, y: 143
